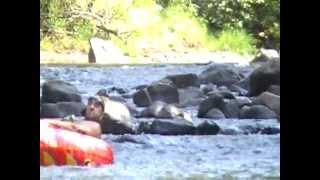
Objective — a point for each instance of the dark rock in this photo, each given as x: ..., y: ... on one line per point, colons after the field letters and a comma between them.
x: 275, y: 89
x: 219, y: 74
x: 270, y: 100
x: 238, y: 89
x: 215, y: 101
x: 215, y: 113
x: 270, y: 130
x: 185, y: 80
x: 102, y: 92
x: 167, y: 127
x: 190, y: 96
x: 208, y: 88
x: 231, y: 109
x: 257, y: 112
x: 117, y: 90
x: 59, y: 91
x: 61, y: 109
x: 207, y: 128
x: 225, y: 94
x: 244, y: 83
x: 156, y: 92
x: 264, y: 76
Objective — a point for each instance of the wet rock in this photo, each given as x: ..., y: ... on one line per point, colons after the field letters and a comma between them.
x: 270, y: 130
x: 185, y: 80
x: 243, y: 101
x: 166, y: 127
x: 238, y: 89
x: 190, y: 96
x: 214, y: 101
x: 215, y: 113
x: 220, y: 74
x: 156, y: 92
x: 208, y: 88
x: 207, y: 127
x: 264, y: 76
x: 61, y: 109
x: 275, y: 89
x: 225, y: 94
x: 102, y: 92
x: 257, y: 112
x: 231, y: 109
x: 244, y: 83
x: 59, y: 91
x: 160, y: 109
x: 117, y: 90
x: 270, y: 100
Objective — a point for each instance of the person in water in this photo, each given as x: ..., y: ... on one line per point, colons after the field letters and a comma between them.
x: 93, y: 114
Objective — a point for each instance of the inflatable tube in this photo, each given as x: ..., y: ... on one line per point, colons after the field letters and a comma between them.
x: 63, y: 147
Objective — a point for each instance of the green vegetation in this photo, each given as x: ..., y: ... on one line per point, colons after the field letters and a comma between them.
x: 141, y: 27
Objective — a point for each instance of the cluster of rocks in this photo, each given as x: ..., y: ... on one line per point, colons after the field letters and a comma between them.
x: 222, y: 91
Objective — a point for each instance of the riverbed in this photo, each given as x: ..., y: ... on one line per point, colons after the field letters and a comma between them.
x: 145, y: 156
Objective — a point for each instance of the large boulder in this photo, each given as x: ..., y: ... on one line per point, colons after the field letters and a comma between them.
x: 161, y: 91
x: 166, y: 127
x: 184, y: 80
x: 117, y: 118
x: 231, y: 109
x: 214, y: 101
x: 59, y: 91
x: 275, y: 89
x: 264, y: 76
x: 214, y: 113
x: 270, y: 100
x: 190, y: 96
x: 220, y: 74
x: 207, y: 127
x: 105, y: 52
x: 257, y: 112
x: 61, y: 109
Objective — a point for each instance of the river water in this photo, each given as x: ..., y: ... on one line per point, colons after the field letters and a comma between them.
x: 145, y: 156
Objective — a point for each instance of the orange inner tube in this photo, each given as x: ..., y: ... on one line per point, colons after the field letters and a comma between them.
x: 63, y: 147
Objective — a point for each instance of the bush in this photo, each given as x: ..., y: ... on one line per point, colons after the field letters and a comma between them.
x: 259, y: 17
x: 140, y: 27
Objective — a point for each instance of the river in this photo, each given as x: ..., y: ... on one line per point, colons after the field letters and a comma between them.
x: 145, y: 156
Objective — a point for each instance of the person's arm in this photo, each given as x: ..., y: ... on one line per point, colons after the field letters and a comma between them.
x: 83, y: 127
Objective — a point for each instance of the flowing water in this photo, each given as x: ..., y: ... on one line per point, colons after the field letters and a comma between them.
x: 237, y: 156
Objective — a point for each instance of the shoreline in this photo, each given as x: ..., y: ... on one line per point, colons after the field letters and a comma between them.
x: 79, y: 58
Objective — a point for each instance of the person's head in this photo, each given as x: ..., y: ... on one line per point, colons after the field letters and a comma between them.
x: 95, y: 109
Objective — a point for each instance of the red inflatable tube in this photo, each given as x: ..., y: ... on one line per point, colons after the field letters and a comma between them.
x: 63, y: 147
